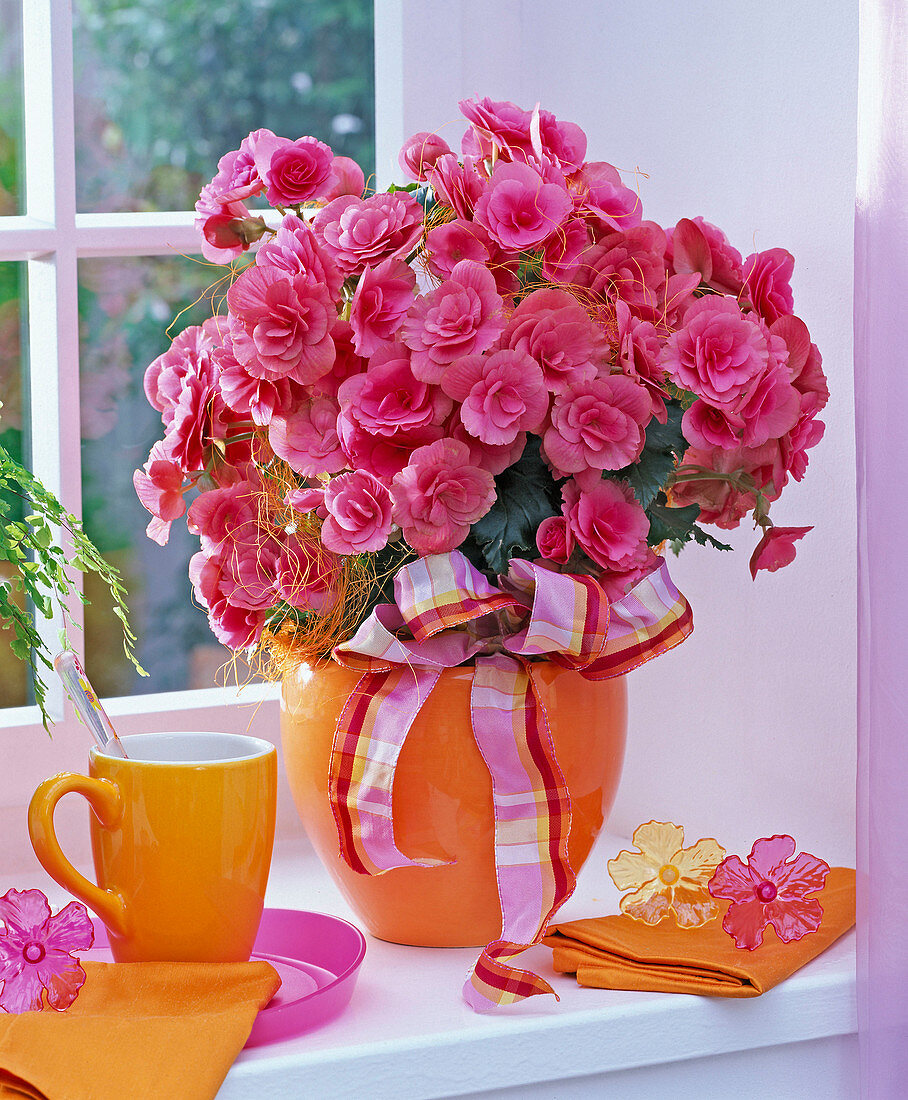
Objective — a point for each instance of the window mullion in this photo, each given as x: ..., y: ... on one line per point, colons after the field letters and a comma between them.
x: 50, y: 188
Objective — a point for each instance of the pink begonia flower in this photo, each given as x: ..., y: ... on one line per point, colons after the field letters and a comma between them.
x: 380, y: 303
x: 159, y: 487
x: 776, y: 549
x: 419, y: 153
x: 461, y: 317
x: 249, y: 567
x: 448, y: 244
x: 639, y: 348
x: 359, y: 514
x: 293, y: 172
x: 346, y: 362
x: 498, y: 127
x: 259, y: 398
x: 282, y: 325
x: 720, y: 503
x: 555, y: 540
x: 217, y: 514
x: 237, y: 177
x: 456, y: 185
x: 706, y: 426
x: 295, y: 250
x: 438, y: 496
x: 718, y: 353
x: 608, y: 523
x: 628, y: 266
x: 562, y: 251
x: 770, y: 888
x: 347, y: 178
x: 188, y: 354
x: 503, y: 129
x: 387, y: 398
x: 303, y: 576
x: 307, y: 500
x: 501, y: 394
x: 597, y: 425
x: 770, y: 408
x: 306, y: 438
x: 358, y: 233
x: 694, y: 245
x: 383, y: 455
x: 234, y: 626
x: 198, y: 417
x: 794, y: 446
x: 602, y: 195
x: 551, y: 326
x: 767, y: 283
x: 218, y: 224
x: 36, y: 952
x: 519, y: 208
x: 495, y: 458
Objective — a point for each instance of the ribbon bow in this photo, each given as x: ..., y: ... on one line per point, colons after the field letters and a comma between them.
x: 445, y: 614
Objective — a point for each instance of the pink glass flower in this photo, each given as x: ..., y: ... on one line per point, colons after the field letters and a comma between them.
x: 776, y: 549
x: 36, y: 951
x: 770, y: 888
x: 665, y: 877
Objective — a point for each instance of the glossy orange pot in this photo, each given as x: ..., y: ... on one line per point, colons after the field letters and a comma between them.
x: 442, y: 798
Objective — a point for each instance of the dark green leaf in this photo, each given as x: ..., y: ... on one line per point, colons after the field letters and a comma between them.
x: 663, y: 446
x: 526, y: 494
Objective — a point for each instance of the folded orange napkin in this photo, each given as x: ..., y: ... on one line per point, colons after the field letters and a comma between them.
x: 137, y: 1031
x: 620, y: 953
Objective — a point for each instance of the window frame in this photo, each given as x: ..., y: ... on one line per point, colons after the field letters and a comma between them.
x: 51, y: 237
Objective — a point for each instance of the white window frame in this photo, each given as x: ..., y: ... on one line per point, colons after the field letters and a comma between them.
x: 51, y: 237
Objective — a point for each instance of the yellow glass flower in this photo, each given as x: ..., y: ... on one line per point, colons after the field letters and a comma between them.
x: 666, y: 877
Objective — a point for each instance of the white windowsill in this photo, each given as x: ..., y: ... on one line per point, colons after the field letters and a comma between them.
x: 407, y: 1033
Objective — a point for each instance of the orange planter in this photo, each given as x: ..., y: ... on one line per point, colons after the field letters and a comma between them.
x: 442, y: 798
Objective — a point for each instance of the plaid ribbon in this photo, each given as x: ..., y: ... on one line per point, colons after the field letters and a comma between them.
x: 445, y: 614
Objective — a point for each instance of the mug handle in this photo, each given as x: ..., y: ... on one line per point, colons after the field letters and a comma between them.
x: 104, y: 798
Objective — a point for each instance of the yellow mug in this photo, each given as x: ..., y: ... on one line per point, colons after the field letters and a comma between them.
x: 182, y: 833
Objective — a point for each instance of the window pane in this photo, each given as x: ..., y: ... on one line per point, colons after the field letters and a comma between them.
x: 15, y: 681
x: 125, y: 307
x: 163, y: 90
x: 11, y: 190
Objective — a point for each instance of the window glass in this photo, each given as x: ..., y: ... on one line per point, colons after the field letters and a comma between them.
x: 15, y: 681
x: 125, y: 308
x: 11, y: 191
x: 165, y: 89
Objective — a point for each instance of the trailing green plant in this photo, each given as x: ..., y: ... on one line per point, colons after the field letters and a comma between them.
x: 41, y: 571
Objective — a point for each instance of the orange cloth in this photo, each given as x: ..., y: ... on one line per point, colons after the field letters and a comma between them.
x: 620, y: 953
x: 137, y: 1031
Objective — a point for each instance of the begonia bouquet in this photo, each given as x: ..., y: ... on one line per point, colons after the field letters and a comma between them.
x: 502, y: 357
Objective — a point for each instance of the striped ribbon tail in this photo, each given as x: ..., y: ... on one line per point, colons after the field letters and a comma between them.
x: 368, y: 738
x: 651, y: 619
x: 532, y: 823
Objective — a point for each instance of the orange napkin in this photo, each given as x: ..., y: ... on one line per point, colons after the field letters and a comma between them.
x: 137, y: 1031
x: 620, y: 953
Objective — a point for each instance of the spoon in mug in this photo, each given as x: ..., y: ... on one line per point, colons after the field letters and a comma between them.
x: 88, y: 706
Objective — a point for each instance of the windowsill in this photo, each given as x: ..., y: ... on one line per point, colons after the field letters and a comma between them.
x: 407, y: 1032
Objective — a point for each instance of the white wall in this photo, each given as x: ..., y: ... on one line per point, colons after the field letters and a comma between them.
x: 744, y: 113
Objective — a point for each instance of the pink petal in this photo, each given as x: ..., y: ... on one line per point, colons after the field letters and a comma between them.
x: 70, y: 929
x: 794, y: 917
x: 691, y: 250
x: 62, y: 976
x: 732, y: 879
x: 805, y: 875
x: 745, y: 920
x: 22, y: 992
x: 768, y: 854
x: 23, y: 912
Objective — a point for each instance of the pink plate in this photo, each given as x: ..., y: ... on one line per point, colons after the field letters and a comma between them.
x: 317, y: 957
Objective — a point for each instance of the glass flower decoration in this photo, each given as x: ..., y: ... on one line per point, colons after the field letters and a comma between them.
x: 666, y: 877
x: 35, y: 951
x: 770, y: 888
